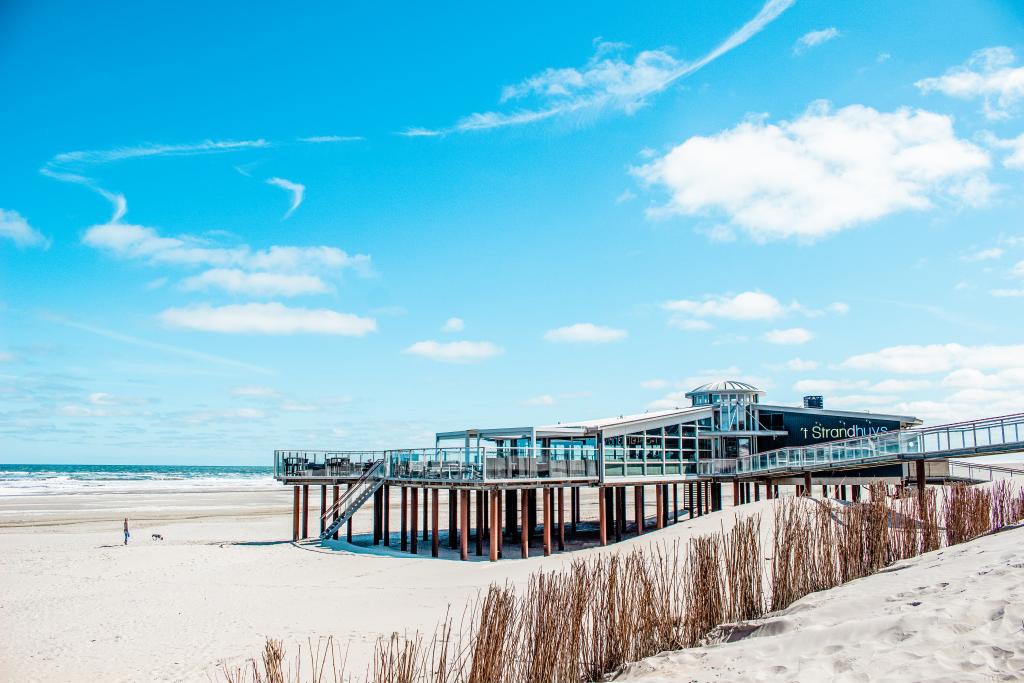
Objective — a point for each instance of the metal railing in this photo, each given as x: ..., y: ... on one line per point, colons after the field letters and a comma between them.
x: 987, y: 435
x: 980, y: 472
x: 323, y: 464
x: 486, y: 464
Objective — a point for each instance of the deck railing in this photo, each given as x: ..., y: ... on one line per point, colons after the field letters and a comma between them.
x: 989, y: 435
x: 325, y: 464
x: 488, y: 464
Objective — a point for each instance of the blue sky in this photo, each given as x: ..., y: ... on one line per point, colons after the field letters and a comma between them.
x: 234, y: 228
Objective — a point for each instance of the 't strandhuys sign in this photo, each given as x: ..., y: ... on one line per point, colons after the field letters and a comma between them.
x: 822, y: 433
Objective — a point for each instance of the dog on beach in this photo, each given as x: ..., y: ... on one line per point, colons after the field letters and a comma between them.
x: 157, y: 537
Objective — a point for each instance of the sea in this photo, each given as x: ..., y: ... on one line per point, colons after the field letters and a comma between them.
x: 24, y: 480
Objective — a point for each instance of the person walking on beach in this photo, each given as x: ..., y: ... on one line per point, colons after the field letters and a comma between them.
x: 126, y: 534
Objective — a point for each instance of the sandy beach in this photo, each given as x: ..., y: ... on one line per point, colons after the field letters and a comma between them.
x: 78, y: 605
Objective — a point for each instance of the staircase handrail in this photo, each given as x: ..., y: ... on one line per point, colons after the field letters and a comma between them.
x: 352, y: 491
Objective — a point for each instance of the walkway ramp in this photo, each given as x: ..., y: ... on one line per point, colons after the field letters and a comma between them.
x: 340, y: 512
x: 987, y: 436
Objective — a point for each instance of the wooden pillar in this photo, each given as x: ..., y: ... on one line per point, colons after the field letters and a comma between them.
x: 769, y: 489
x: 532, y: 513
x: 334, y: 506
x: 757, y: 492
x: 561, y: 518
x: 295, y: 514
x: 305, y: 510
x: 619, y: 515
x: 574, y: 498
x: 348, y: 524
x: 403, y: 534
x: 546, y: 509
x: 323, y: 508
x: 414, y: 509
x: 464, y: 524
x: 524, y: 538
x: 495, y: 527
x: 842, y: 492
x: 500, y: 521
x: 479, y: 523
x: 659, y: 506
x: 700, y: 498
x: 689, y: 499
x: 611, y: 512
x: 807, y: 484
x: 435, y: 531
x: 675, y: 503
x: 426, y: 514
x: 735, y: 492
x: 453, y: 519
x: 921, y: 475
x: 378, y: 516
x: 855, y: 492
x: 387, y: 513
x: 511, y: 513
x: 638, y: 508
x: 602, y: 516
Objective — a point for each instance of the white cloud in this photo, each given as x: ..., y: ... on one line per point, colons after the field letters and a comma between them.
x: 690, y: 324
x: 983, y: 255
x: 455, y: 352
x: 318, y: 139
x: 1007, y: 293
x: 453, y: 325
x: 823, y: 172
x: 297, y: 191
x: 743, y: 306
x: 14, y: 227
x: 255, y: 284
x: 654, y: 384
x: 291, y: 406
x: 150, y: 150
x: 859, y: 401
x: 145, y: 243
x: 933, y: 358
x: 676, y: 399
x: 801, y: 365
x: 791, y: 336
x: 899, y: 386
x: 814, y: 38
x: 989, y: 74
x: 1015, y: 159
x: 972, y: 378
x: 7, y: 357
x: 268, y: 318
x: 254, y: 392
x: 542, y: 400
x: 607, y: 82
x: 821, y: 386
x: 584, y: 333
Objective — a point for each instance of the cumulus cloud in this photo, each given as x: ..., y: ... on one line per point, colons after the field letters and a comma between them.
x: 654, y: 384
x: 1015, y: 147
x: 267, y: 318
x: 455, y: 352
x: 989, y: 75
x: 815, y: 38
x: 821, y: 173
x: 933, y: 358
x: 14, y: 227
x: 607, y: 82
x: 237, y: 281
x: 753, y: 305
x: 296, y: 190
x: 542, y: 400
x: 801, y: 365
x: 144, y: 243
x: 983, y: 255
x: 584, y: 333
x: 788, y: 337
x: 453, y: 325
x: 254, y: 392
